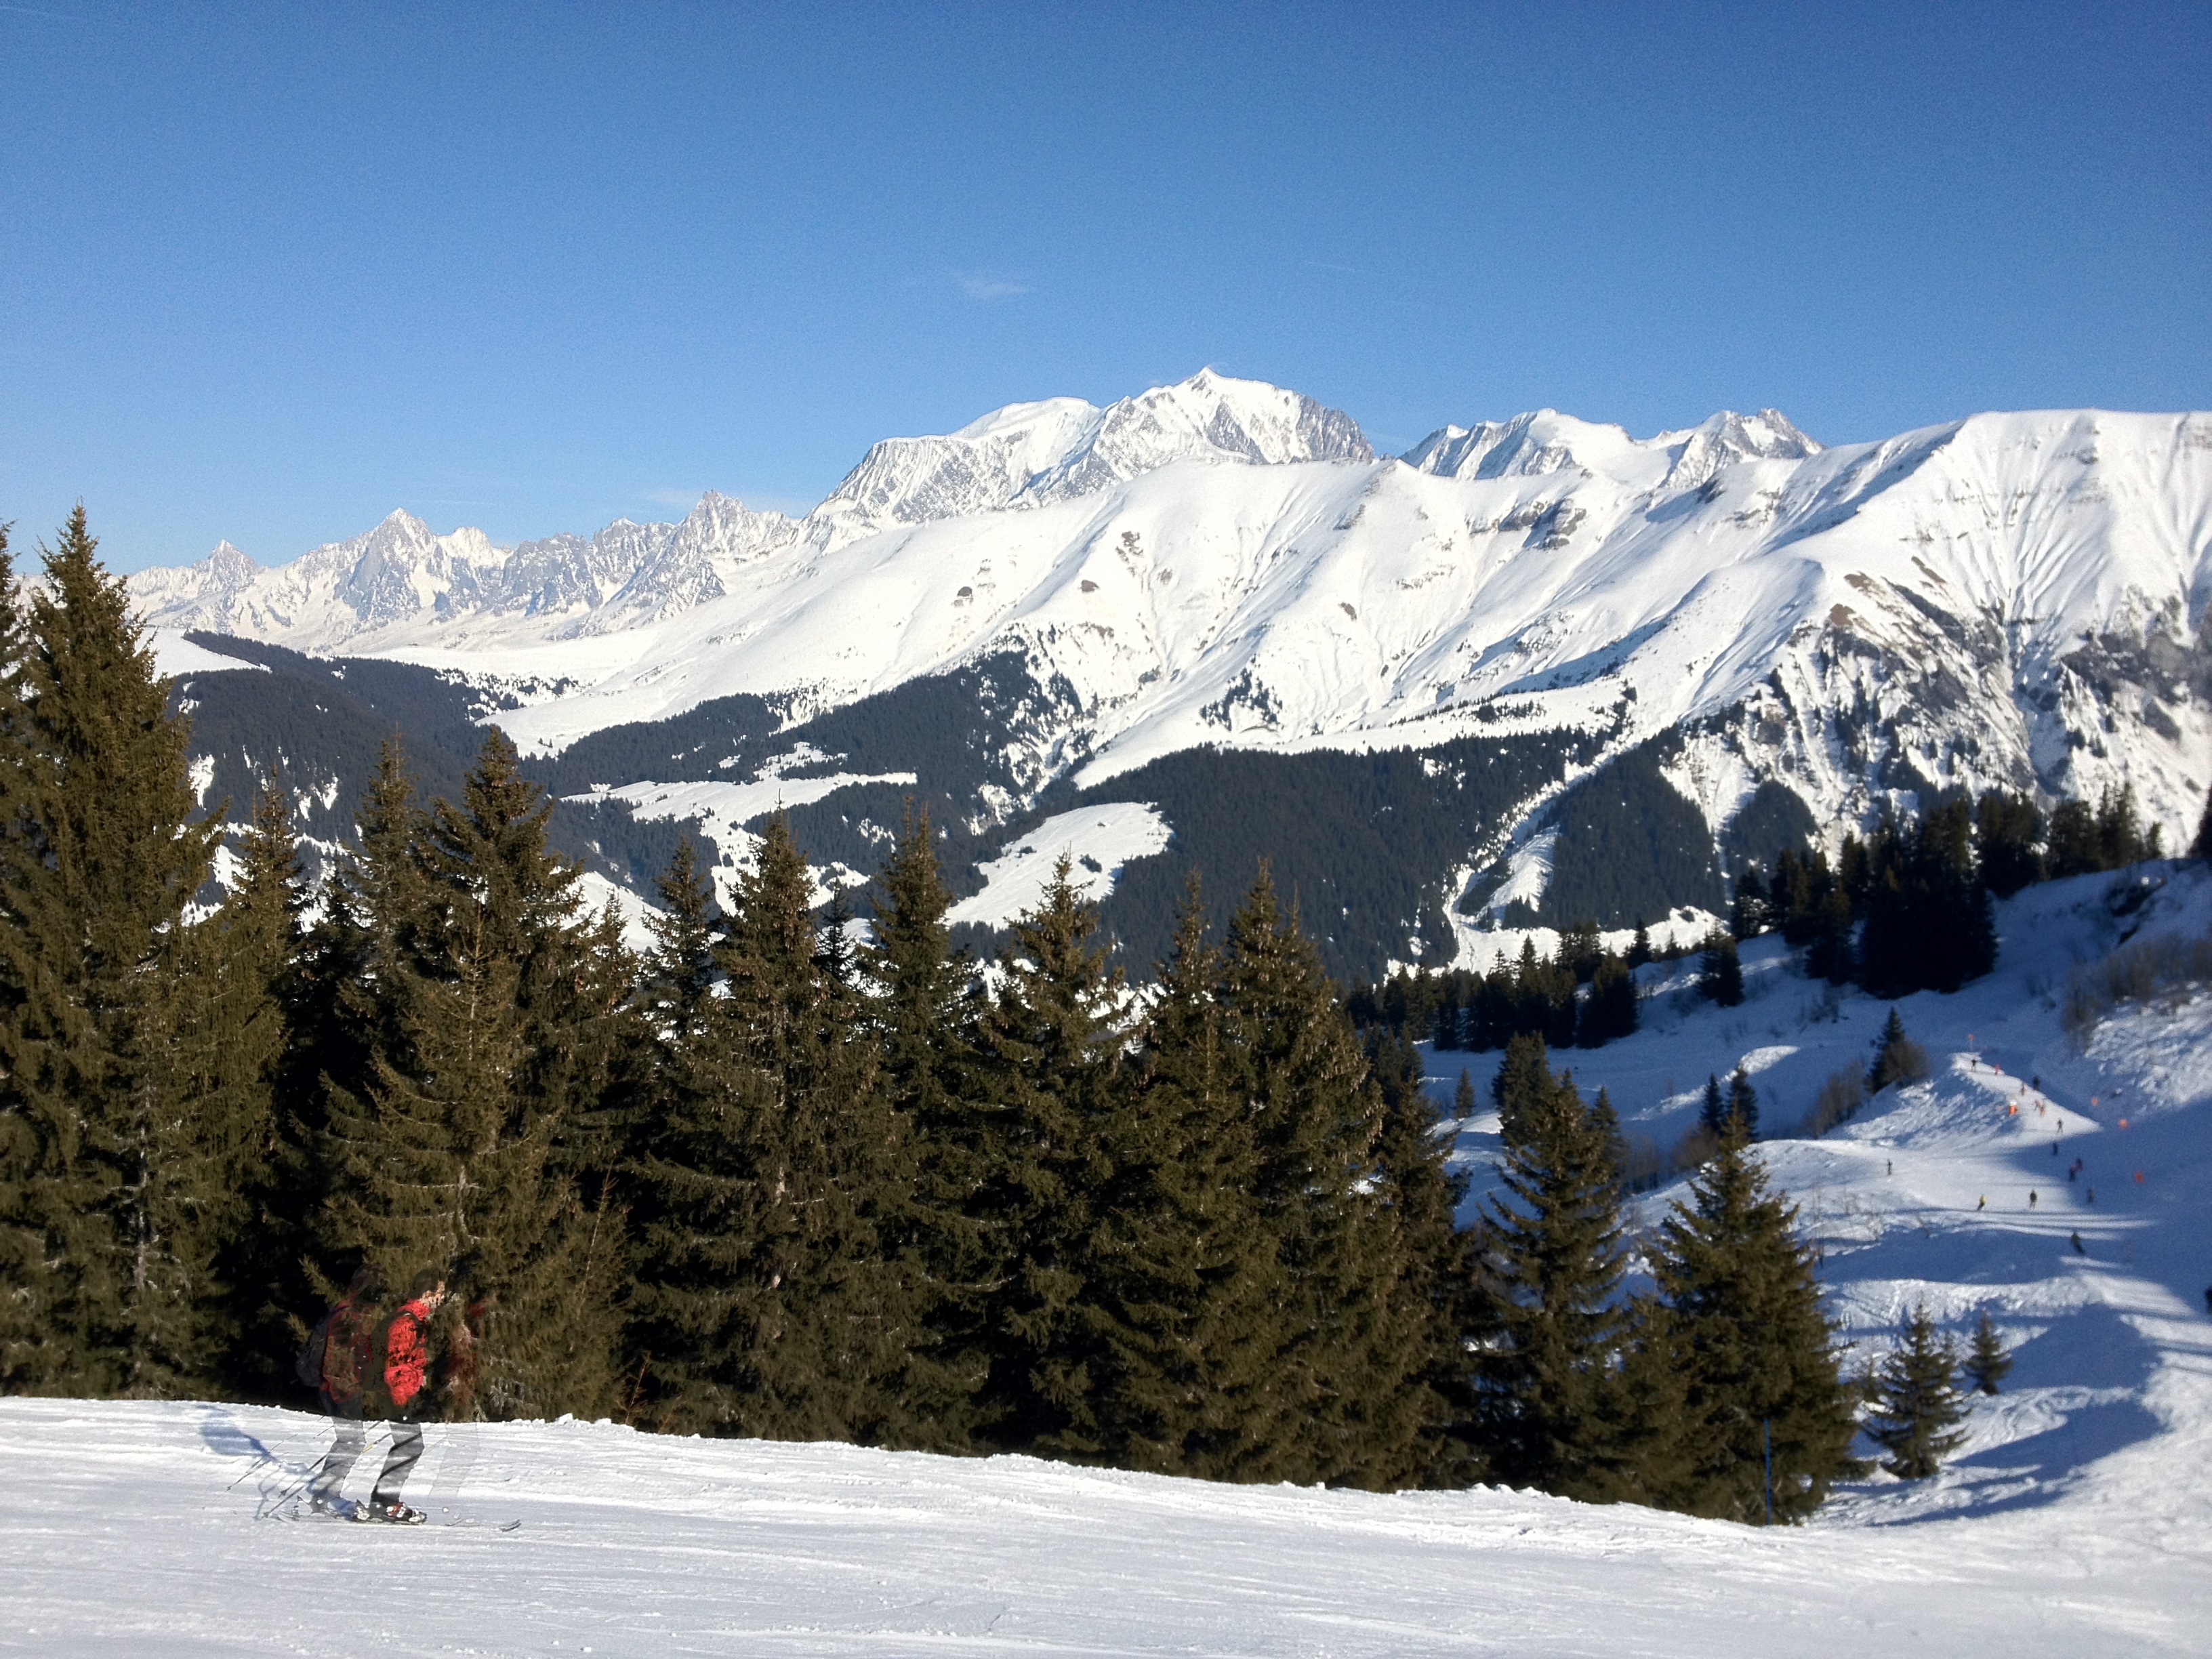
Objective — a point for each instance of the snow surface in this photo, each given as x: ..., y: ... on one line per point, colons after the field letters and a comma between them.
x: 1109, y: 835
x: 175, y: 656
x: 2076, y: 1521
x: 722, y: 809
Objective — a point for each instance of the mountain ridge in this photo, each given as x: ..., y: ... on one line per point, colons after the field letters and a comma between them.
x: 2015, y: 600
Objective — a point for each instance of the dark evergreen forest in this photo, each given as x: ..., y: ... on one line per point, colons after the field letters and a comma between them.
x: 756, y: 1183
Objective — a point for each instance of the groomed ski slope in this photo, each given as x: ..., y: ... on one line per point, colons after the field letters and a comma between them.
x: 2077, y: 1521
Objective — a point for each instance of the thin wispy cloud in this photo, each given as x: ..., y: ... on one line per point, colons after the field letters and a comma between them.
x: 1348, y: 270
x: 985, y: 285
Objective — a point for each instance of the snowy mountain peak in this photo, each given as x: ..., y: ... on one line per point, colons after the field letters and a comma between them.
x: 1545, y: 441
x: 1209, y: 417
x: 1029, y: 453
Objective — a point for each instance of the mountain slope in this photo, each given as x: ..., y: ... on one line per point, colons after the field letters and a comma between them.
x: 2013, y: 600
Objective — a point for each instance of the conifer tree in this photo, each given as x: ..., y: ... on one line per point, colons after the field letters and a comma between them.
x: 1897, y: 1058
x: 777, y: 1179
x: 1609, y: 1011
x: 1549, y: 1323
x: 224, y: 1043
x: 1720, y: 972
x: 1917, y: 1405
x: 1353, y: 1342
x: 1987, y: 1362
x: 488, y: 1033
x: 2202, y: 847
x: 1523, y: 1084
x: 1758, y: 1353
x: 1049, y: 1049
x: 1712, y: 1111
x: 2008, y: 836
x: 920, y: 1019
x: 1743, y: 1102
x: 112, y: 1208
x: 1188, y: 1272
x: 1424, y: 1194
x: 679, y: 978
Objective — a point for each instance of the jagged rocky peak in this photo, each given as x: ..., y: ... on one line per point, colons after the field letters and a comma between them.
x: 1723, y: 439
x: 1545, y: 441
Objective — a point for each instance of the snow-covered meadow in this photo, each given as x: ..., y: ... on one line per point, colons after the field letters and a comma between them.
x: 2077, y: 1519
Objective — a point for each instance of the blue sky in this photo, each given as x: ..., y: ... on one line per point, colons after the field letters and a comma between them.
x: 267, y: 273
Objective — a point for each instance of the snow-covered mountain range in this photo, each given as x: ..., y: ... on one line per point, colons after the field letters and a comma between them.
x: 2009, y: 598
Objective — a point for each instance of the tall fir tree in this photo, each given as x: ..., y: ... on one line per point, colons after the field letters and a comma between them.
x: 1423, y: 1193
x: 115, y: 1204
x: 1549, y: 1322
x: 1758, y: 1352
x: 1049, y: 1048
x: 773, y: 1176
x: 920, y: 1018
x: 1743, y: 1102
x: 1353, y: 1336
x: 488, y: 1030
x: 1189, y: 1270
x: 225, y: 1042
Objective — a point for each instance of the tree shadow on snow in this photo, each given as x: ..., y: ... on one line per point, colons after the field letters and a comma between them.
x: 2093, y: 1350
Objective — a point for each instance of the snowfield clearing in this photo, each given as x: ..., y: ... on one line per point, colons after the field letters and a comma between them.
x: 1100, y: 840
x: 2077, y: 1520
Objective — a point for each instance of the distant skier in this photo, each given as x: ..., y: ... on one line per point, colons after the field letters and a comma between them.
x: 339, y: 1362
x: 2078, y: 1250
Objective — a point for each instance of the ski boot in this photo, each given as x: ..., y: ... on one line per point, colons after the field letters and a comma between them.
x: 392, y: 1511
x: 325, y: 1506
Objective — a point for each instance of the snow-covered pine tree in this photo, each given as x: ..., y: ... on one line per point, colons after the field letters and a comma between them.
x: 2202, y: 847
x: 1758, y: 1351
x: 1917, y: 1405
x: 1988, y: 1364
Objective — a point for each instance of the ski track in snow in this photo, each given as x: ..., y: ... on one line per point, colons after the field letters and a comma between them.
x: 2074, y: 1521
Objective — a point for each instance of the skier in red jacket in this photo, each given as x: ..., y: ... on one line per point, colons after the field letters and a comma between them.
x: 406, y: 1363
x: 341, y: 1362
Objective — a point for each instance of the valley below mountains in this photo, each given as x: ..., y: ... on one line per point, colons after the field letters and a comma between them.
x: 1531, y: 672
